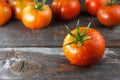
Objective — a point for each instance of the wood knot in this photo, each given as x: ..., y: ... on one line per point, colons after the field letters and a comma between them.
x: 24, y: 67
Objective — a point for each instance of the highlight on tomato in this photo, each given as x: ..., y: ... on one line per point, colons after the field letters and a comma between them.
x: 93, y: 6
x: 109, y: 14
x: 83, y: 46
x: 5, y: 13
x: 17, y: 7
x: 36, y: 16
x: 66, y: 9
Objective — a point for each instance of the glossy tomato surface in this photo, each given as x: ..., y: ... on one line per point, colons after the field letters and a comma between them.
x: 90, y: 52
x: 17, y: 7
x: 66, y: 9
x: 109, y: 15
x: 94, y: 5
x: 4, y: 0
x: 5, y: 13
x: 35, y: 19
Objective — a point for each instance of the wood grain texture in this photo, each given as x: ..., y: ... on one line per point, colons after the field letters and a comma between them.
x: 18, y: 63
x: 14, y: 34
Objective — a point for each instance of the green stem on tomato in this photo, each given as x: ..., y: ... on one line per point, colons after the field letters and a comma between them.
x: 36, y: 3
x: 39, y: 6
x: 79, y: 37
x: 21, y: 2
x: 112, y: 2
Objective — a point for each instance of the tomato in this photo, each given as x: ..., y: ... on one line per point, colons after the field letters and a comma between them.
x: 93, y: 5
x: 66, y: 9
x: 4, y: 0
x: 5, y: 13
x: 84, y: 46
x: 18, y: 5
x: 37, y: 15
x: 109, y: 15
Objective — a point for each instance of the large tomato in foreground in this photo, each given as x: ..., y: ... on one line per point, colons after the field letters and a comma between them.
x: 94, y: 5
x: 109, y: 14
x: 66, y: 9
x: 37, y: 15
x: 5, y: 13
x: 17, y: 7
x: 84, y: 46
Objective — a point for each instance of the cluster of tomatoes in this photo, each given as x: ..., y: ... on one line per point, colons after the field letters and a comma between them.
x: 32, y: 13
x: 35, y: 15
x: 82, y: 46
x: 107, y: 11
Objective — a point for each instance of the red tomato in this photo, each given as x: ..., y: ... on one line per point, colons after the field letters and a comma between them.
x: 18, y: 5
x: 66, y: 9
x: 5, y: 13
x: 4, y: 0
x: 109, y: 15
x: 93, y: 5
x: 84, y: 50
x: 36, y: 16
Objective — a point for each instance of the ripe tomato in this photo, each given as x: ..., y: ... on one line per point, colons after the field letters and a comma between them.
x: 93, y: 5
x: 37, y: 15
x: 84, y: 46
x: 18, y: 5
x: 4, y: 0
x: 5, y: 13
x: 109, y: 15
x: 66, y: 9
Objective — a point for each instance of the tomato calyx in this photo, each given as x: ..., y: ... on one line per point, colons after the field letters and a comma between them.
x: 79, y: 37
x: 21, y: 2
x: 39, y: 6
x: 111, y: 3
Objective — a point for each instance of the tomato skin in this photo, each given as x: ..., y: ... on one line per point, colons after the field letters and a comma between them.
x: 94, y: 5
x: 90, y: 52
x: 66, y: 9
x: 17, y: 7
x: 5, y: 13
x: 109, y: 15
x: 35, y: 19
x: 4, y: 1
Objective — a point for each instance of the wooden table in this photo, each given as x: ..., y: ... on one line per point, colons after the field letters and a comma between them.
x: 37, y: 54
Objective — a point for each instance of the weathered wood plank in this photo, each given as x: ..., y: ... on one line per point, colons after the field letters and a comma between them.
x: 14, y: 34
x: 30, y: 64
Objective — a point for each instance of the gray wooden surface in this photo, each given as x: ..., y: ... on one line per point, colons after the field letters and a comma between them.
x: 14, y: 34
x: 50, y: 64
